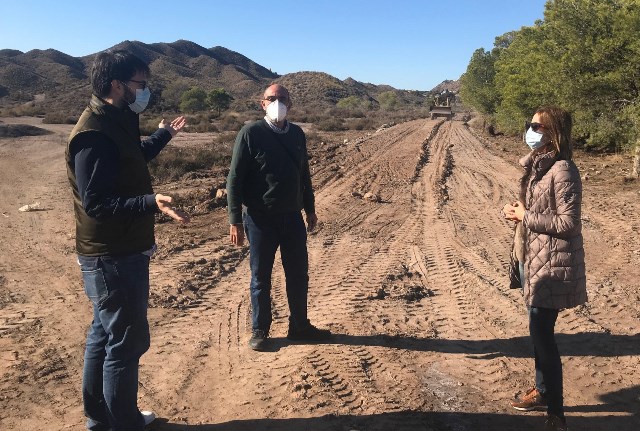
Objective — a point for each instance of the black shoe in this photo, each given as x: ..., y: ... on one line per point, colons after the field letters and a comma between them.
x: 555, y: 423
x: 310, y: 333
x: 258, y: 340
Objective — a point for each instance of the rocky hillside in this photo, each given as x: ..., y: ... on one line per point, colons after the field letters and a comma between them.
x: 60, y: 82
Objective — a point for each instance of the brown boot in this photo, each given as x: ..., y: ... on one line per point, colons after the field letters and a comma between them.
x: 555, y: 423
x: 532, y: 400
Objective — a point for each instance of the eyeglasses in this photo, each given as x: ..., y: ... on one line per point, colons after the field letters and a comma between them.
x: 143, y: 83
x: 283, y: 99
x: 534, y: 126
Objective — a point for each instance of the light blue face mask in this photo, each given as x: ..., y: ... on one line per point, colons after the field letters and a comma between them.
x: 142, y: 100
x: 533, y: 139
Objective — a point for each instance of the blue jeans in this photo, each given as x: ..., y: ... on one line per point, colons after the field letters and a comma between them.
x: 547, y: 357
x: 118, y: 288
x: 265, y: 234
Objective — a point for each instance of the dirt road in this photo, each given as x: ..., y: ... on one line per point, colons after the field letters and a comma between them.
x: 407, y: 269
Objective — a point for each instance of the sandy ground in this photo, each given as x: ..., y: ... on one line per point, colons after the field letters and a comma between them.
x: 412, y: 282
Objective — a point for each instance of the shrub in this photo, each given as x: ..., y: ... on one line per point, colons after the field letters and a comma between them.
x: 193, y: 100
x: 59, y: 118
x: 200, y: 123
x: 173, y: 163
x: 29, y: 109
x: 229, y: 123
x: 362, y: 124
x: 331, y: 124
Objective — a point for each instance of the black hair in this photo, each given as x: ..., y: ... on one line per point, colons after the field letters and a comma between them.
x: 118, y: 64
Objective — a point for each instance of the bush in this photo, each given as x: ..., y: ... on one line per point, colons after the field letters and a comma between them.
x: 200, y: 123
x: 230, y: 123
x: 331, y: 124
x: 362, y: 124
x: 193, y: 100
x: 59, y: 118
x: 173, y: 163
x: 25, y: 110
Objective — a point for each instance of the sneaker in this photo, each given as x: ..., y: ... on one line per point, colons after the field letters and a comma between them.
x: 532, y: 400
x: 148, y: 417
x: 555, y: 423
x: 258, y: 340
x: 310, y: 333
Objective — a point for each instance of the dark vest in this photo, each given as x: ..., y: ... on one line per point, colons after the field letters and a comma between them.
x: 114, y: 235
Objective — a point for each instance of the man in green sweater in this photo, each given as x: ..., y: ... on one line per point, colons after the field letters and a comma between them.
x: 270, y: 176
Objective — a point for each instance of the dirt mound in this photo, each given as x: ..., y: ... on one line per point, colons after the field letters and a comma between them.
x: 18, y: 130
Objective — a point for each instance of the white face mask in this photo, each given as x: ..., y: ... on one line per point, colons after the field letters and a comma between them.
x: 142, y: 100
x: 277, y: 111
x: 533, y: 139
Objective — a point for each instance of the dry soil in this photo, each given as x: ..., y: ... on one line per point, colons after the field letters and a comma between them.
x: 408, y: 270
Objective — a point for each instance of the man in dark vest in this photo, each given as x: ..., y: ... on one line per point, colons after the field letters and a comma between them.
x: 114, y: 207
x: 270, y: 176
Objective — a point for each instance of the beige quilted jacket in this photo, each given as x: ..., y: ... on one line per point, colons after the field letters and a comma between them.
x: 553, y: 248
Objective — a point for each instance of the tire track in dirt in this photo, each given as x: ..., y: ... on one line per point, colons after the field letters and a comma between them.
x: 460, y: 344
x: 334, y: 382
x: 412, y: 282
x: 502, y: 313
x: 39, y: 300
x: 453, y: 309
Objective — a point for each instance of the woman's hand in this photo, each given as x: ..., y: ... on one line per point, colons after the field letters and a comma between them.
x: 514, y: 211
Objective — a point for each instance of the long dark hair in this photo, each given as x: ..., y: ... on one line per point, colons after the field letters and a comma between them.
x: 557, y: 132
x: 557, y: 129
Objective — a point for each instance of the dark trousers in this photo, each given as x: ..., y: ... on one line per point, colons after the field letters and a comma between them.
x: 547, y: 357
x: 265, y: 234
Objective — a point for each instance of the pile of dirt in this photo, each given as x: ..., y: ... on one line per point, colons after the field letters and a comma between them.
x: 18, y: 130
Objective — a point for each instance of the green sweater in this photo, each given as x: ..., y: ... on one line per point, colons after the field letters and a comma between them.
x: 269, y: 172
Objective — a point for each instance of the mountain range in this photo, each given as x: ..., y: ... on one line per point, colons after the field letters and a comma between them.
x: 59, y: 81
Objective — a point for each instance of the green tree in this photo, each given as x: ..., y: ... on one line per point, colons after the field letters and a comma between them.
x: 477, y: 86
x: 525, y: 78
x: 172, y: 93
x: 583, y: 56
x: 351, y: 102
x: 388, y: 100
x: 193, y: 100
x: 219, y: 100
x: 597, y: 44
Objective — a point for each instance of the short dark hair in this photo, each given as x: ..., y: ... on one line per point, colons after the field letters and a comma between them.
x: 117, y: 64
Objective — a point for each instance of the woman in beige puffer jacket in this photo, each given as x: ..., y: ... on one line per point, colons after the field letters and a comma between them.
x: 549, y: 247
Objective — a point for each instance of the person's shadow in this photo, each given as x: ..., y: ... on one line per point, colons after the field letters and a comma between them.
x: 619, y: 410
x: 613, y: 416
x: 580, y: 344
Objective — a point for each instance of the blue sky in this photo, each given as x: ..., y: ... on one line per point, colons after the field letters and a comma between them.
x: 408, y: 44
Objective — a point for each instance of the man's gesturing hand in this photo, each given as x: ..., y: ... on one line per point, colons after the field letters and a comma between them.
x: 164, y: 205
x: 174, y: 127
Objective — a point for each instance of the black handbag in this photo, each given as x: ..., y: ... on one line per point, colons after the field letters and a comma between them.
x: 514, y: 273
